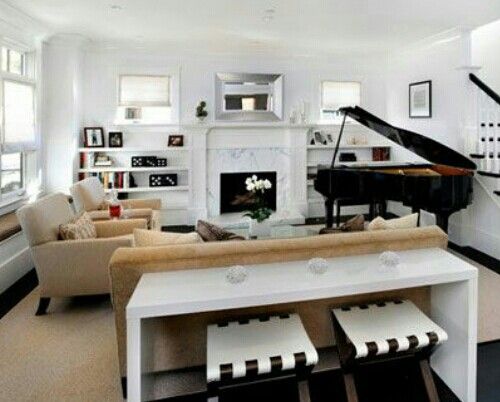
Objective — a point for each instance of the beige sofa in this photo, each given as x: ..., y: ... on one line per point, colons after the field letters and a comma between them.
x: 89, y: 195
x: 70, y: 267
x: 180, y: 341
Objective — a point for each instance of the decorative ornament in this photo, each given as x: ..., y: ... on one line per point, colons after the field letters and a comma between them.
x: 317, y: 265
x: 236, y: 274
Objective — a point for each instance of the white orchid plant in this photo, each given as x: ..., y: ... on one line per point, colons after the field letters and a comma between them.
x: 259, y: 211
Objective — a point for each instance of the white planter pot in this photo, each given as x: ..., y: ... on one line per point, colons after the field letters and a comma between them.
x: 260, y: 229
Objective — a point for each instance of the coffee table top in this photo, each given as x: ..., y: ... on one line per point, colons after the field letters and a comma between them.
x: 279, y: 232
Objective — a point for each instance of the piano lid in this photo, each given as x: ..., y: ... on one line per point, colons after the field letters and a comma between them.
x: 425, y: 147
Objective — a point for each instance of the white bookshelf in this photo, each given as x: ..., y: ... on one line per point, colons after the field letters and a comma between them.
x: 134, y: 149
x: 98, y: 169
x: 152, y: 189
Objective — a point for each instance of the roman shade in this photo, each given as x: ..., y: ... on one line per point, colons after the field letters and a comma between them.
x: 19, y: 116
x: 144, y: 90
x: 336, y: 94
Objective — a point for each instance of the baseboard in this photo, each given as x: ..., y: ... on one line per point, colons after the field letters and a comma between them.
x: 18, y: 291
x: 16, y: 260
x: 478, y: 256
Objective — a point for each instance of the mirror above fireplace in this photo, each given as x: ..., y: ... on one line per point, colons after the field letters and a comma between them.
x: 248, y: 97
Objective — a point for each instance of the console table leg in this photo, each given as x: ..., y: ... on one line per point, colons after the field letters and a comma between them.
x: 134, y: 360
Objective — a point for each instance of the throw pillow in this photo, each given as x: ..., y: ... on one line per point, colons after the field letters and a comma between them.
x: 405, y: 222
x: 211, y: 232
x: 355, y: 224
x: 149, y: 238
x: 79, y: 228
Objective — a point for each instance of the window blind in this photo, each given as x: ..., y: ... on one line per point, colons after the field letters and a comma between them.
x: 144, y: 90
x: 19, y: 117
x: 339, y: 94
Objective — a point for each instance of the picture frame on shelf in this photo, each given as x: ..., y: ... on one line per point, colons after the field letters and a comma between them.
x: 133, y: 113
x: 176, y: 140
x: 93, y: 137
x: 420, y: 100
x: 115, y: 139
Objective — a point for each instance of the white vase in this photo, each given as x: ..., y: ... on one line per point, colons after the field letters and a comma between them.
x: 260, y: 229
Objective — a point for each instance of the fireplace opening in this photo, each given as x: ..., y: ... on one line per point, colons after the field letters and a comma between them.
x: 234, y: 197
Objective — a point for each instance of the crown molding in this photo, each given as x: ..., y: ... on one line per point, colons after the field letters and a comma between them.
x: 19, y: 26
x: 69, y: 40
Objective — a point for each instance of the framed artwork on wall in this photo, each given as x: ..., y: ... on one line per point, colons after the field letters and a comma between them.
x: 420, y: 99
x: 93, y: 137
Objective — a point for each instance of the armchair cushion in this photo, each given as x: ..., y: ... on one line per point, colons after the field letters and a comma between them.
x: 148, y: 238
x: 40, y: 220
x: 106, y: 229
x: 88, y: 194
x: 79, y: 228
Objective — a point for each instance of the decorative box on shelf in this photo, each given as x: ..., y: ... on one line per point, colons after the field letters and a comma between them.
x: 163, y: 180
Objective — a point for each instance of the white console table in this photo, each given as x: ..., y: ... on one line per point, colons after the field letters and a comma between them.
x: 453, y: 285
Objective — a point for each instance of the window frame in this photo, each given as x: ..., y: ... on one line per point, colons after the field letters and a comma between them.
x: 28, y: 77
x: 323, y: 110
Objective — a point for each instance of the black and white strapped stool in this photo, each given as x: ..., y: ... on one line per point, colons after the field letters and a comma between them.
x: 375, y: 332
x: 246, y: 351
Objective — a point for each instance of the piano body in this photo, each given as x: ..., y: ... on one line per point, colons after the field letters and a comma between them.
x: 442, y: 186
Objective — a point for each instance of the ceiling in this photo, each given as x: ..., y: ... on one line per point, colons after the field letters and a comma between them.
x: 275, y: 26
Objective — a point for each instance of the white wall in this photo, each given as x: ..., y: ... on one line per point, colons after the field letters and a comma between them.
x: 445, y: 61
x: 486, y: 54
x: 302, y: 77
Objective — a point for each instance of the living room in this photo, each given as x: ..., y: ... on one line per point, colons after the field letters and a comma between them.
x: 181, y: 179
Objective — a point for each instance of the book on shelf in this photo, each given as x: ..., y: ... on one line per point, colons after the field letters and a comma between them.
x: 109, y: 180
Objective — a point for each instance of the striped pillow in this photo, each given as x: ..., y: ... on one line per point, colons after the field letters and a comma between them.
x: 79, y: 228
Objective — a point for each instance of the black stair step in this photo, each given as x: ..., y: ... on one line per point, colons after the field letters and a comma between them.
x: 491, y: 139
x: 489, y: 124
x: 496, y: 192
x: 489, y: 174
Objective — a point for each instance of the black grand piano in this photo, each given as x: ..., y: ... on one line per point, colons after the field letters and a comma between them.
x: 442, y: 186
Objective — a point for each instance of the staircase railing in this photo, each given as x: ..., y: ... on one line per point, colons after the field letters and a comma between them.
x: 487, y: 149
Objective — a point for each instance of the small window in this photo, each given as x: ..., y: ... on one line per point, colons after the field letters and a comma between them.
x: 337, y: 94
x: 13, y: 61
x: 144, y: 99
x: 11, y: 179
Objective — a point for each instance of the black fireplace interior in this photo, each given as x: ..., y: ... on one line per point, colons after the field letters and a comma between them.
x: 233, y: 192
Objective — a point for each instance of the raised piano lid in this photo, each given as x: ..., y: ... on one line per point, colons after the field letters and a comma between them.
x: 425, y: 147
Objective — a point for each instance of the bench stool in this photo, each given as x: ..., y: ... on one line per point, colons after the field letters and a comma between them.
x: 371, y: 333
x: 261, y: 349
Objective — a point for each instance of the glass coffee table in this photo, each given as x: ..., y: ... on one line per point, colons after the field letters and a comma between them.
x: 280, y: 232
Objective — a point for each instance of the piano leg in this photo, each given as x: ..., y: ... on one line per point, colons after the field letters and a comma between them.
x: 416, y: 210
x: 442, y: 220
x: 329, y: 213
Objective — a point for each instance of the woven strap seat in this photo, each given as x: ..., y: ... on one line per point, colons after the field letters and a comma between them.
x: 255, y: 347
x: 388, y: 327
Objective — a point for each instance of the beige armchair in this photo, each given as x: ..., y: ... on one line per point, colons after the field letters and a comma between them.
x: 70, y: 267
x: 89, y: 195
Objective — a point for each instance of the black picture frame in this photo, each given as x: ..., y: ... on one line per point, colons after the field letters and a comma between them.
x: 425, y: 110
x: 176, y: 140
x: 93, y: 137
x: 115, y: 139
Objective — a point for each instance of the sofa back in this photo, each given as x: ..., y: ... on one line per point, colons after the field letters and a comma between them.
x: 88, y: 194
x: 40, y: 220
x: 179, y: 341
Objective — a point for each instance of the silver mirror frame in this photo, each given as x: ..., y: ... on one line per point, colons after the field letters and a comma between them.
x: 248, y: 116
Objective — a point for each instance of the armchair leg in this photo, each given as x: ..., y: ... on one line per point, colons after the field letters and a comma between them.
x: 43, y: 304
